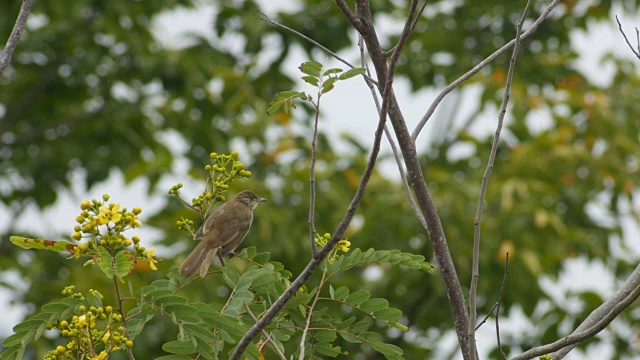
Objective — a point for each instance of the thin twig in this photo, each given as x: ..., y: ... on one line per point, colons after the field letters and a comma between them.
x: 504, y: 282
x: 310, y: 315
x: 264, y: 17
x: 583, y: 335
x: 635, y: 52
x: 493, y: 308
x: 18, y: 28
x: 121, y: 310
x: 312, y: 177
x: 387, y: 133
x: 479, y: 67
x: 483, y: 188
x: 266, y: 334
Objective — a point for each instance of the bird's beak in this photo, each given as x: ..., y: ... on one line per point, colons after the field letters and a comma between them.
x: 262, y: 200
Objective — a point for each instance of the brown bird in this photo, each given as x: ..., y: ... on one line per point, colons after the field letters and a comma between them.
x: 223, y: 230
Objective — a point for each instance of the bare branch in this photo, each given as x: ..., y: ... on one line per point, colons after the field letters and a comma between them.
x: 264, y: 17
x: 479, y: 67
x: 416, y: 179
x: 18, y: 28
x: 635, y: 52
x: 475, y: 272
x: 632, y: 282
x: 504, y: 282
x: 266, y: 334
x: 310, y: 315
x: 629, y: 293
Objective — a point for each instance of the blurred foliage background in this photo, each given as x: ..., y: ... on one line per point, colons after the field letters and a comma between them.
x: 91, y: 88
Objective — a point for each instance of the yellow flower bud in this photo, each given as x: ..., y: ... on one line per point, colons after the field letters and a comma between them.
x: 127, y: 242
x: 76, y: 236
x: 85, y: 204
x: 60, y: 350
x: 234, y: 154
x: 80, y: 219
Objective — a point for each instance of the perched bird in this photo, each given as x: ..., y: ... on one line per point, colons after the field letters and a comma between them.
x: 223, y: 230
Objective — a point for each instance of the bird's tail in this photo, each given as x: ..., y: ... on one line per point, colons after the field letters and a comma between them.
x: 200, y: 258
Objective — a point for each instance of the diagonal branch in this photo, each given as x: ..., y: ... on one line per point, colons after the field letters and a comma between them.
x: 475, y: 272
x: 264, y: 17
x: 364, y: 25
x: 322, y: 254
x: 266, y: 334
x: 18, y: 28
x: 596, y: 322
x: 635, y: 52
x: 479, y: 67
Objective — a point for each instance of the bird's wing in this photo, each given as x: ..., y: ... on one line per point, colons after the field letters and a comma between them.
x: 211, y: 221
x: 233, y: 235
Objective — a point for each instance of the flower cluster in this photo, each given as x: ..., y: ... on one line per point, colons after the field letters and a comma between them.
x: 342, y: 246
x: 93, y: 332
x: 224, y: 170
x: 103, y: 225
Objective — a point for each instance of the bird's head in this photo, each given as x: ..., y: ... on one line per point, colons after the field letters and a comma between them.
x: 249, y: 198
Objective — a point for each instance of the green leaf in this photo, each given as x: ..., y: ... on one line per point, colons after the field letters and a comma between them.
x: 262, y: 258
x: 105, y: 262
x: 327, y: 349
x: 359, y: 327
x: 373, y: 305
x: 231, y: 276
x: 358, y: 297
x: 312, y: 68
x: 341, y: 293
x: 124, y: 263
x: 179, y: 347
x: 388, y: 314
x: 399, y: 326
x: 41, y: 244
x: 174, y: 357
x: 227, y: 323
x: 274, y: 106
x: 93, y: 300
x: 332, y: 71
x: 352, y: 72
x: 311, y: 80
x: 389, y: 351
x: 324, y: 336
x: 350, y: 337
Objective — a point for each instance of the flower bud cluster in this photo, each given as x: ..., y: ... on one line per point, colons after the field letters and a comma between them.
x: 342, y: 245
x: 92, y: 332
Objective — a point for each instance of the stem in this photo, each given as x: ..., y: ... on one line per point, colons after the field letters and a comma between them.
x: 121, y: 310
x: 475, y: 272
x: 312, y: 178
x: 308, y: 323
x: 266, y: 335
x: 18, y: 28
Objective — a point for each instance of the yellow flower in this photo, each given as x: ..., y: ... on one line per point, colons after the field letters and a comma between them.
x: 107, y: 215
x: 152, y: 261
x: 343, y: 245
x: 106, y: 337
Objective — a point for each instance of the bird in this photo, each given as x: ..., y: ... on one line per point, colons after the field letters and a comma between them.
x: 223, y: 231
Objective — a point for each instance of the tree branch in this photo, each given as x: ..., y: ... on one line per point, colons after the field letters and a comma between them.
x: 504, y: 282
x: 322, y: 254
x: 266, y: 335
x: 596, y: 322
x: 475, y: 272
x: 479, y: 67
x: 18, y: 28
x: 264, y: 17
x: 635, y: 52
x: 416, y: 178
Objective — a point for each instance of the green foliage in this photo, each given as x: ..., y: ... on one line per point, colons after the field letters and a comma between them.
x: 63, y: 127
x: 317, y: 76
